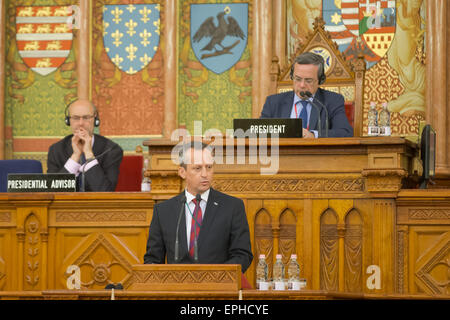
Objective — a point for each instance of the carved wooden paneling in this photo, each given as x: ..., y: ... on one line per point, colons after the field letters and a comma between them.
x: 5, y: 216
x: 329, y: 251
x: 402, y: 252
x: 270, y: 185
x: 4, y: 256
x: 428, y: 213
x: 32, y: 253
x: 102, y: 257
x: 264, y: 238
x: 213, y: 277
x: 431, y: 260
x: 288, y: 237
x: 353, y: 251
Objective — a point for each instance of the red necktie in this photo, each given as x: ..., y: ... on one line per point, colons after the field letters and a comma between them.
x: 196, y: 223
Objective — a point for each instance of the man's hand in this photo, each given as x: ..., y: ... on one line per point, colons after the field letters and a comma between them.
x: 307, y: 134
x: 86, y: 142
x: 81, y: 143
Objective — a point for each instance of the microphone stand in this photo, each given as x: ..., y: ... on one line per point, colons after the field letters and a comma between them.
x: 177, y: 245
x: 82, y: 188
x: 309, y: 94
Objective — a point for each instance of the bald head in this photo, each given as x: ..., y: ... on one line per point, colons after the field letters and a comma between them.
x: 82, y: 113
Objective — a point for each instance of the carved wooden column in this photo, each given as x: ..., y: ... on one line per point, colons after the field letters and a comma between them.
x: 341, y: 255
x: 279, y: 31
x: 255, y: 58
x: 402, y: 261
x: 170, y: 71
x: 262, y: 54
x: 83, y: 70
x: 2, y: 77
x: 437, y: 95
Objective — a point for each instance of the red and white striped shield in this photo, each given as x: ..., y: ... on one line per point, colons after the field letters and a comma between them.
x: 44, y: 36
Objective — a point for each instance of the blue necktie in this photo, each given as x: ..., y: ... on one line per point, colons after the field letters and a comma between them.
x: 304, y: 114
x: 80, y: 178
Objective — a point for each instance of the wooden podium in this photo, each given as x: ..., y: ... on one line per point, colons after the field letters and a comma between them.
x: 184, y: 277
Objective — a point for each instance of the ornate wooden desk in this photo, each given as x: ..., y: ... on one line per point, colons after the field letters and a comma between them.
x: 337, y: 203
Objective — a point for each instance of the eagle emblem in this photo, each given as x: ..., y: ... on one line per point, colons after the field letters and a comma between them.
x: 219, y: 40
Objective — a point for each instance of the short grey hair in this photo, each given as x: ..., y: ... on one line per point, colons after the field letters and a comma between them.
x: 196, y: 145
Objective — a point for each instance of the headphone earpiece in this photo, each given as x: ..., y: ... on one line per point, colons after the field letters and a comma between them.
x: 66, y: 115
x: 322, y: 77
x: 96, y: 121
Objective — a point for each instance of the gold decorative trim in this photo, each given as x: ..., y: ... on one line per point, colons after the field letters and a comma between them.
x: 96, y: 216
x: 428, y: 214
x: 290, y: 185
x: 182, y: 276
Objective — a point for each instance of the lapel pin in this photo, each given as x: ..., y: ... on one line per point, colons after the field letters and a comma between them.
x: 216, y: 204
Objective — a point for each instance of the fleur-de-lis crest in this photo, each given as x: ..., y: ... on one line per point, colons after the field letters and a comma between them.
x: 134, y: 39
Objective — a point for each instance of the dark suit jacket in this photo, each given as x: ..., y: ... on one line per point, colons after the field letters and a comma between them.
x: 224, y: 235
x: 280, y: 106
x: 101, y: 177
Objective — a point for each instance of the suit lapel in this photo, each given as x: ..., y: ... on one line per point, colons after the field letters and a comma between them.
x: 182, y: 240
x: 68, y: 148
x: 99, y: 145
x: 286, y: 105
x: 209, y: 215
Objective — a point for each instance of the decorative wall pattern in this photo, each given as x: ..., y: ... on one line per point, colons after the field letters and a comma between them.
x: 35, y: 103
x: 128, y: 104
x: 215, y: 99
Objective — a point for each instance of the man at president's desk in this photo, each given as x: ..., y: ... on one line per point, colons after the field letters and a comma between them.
x: 200, y: 225
x: 307, y: 73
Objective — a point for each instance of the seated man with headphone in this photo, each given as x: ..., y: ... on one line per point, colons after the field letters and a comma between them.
x: 89, y: 156
x: 307, y: 73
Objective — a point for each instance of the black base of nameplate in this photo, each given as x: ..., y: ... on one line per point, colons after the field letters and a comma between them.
x: 283, y: 128
x: 41, y: 182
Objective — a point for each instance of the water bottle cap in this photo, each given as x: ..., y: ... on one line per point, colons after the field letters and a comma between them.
x: 293, y: 256
x: 279, y: 256
x: 262, y: 256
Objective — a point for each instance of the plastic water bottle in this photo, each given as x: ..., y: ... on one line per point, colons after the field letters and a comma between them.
x: 293, y: 274
x: 146, y: 183
x: 372, y: 117
x: 384, y: 121
x: 278, y: 273
x: 262, y: 273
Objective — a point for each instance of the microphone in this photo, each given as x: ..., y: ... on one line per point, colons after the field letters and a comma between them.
x: 198, y: 197
x: 82, y: 189
x: 305, y: 96
x: 309, y: 94
x: 177, y: 245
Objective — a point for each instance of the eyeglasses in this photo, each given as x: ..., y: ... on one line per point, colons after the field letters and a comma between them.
x: 307, y: 80
x: 78, y: 118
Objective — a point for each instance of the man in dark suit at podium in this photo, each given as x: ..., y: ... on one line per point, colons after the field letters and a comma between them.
x: 307, y: 73
x: 200, y: 225
x: 83, y: 151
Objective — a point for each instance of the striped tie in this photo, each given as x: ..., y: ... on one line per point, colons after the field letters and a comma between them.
x: 195, y: 226
x: 304, y: 114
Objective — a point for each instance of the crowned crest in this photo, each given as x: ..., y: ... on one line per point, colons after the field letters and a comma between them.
x: 131, y: 35
x: 219, y: 34
x: 364, y: 25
